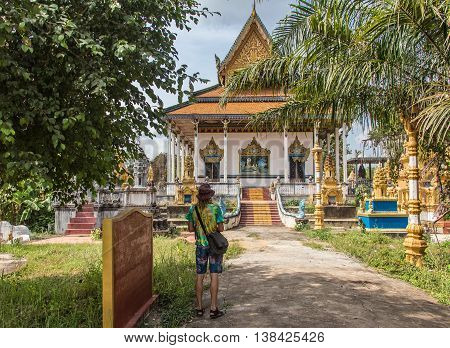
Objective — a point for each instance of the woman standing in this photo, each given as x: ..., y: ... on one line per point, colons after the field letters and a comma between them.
x: 212, y: 219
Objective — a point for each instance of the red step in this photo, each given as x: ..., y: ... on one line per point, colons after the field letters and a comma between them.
x: 85, y: 214
x: 83, y: 220
x: 77, y: 231
x: 80, y: 226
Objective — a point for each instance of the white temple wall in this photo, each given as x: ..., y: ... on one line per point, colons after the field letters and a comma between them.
x: 271, y: 141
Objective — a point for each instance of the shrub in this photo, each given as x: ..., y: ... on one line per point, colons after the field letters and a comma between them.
x: 361, y: 191
x: 302, y: 227
x: 309, y: 208
x: 173, y: 231
x: 292, y: 202
x: 96, y: 234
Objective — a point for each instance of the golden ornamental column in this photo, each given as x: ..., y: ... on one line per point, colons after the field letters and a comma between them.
x: 318, y: 209
x: 414, y: 243
x: 196, y: 150
x: 225, y: 150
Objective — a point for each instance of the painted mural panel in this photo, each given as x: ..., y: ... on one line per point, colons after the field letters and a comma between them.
x: 254, y: 160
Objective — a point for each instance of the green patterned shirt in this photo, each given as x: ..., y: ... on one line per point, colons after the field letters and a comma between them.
x: 211, y: 216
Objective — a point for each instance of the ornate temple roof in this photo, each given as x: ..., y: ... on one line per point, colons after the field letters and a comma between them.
x: 253, y: 43
x: 232, y: 108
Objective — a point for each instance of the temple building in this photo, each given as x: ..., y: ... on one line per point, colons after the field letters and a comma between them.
x: 218, y: 138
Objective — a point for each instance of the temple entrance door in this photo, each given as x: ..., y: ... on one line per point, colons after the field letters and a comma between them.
x: 297, y: 170
x: 212, y: 171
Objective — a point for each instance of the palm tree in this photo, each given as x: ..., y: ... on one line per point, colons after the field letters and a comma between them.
x: 377, y: 60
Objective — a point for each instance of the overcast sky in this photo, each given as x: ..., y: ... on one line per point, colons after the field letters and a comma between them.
x: 216, y: 35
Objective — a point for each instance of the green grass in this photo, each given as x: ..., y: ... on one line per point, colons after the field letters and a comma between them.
x: 234, y: 251
x: 61, y: 285
x: 387, y: 254
x: 314, y: 245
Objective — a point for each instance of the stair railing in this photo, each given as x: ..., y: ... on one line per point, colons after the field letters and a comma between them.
x: 288, y: 219
x: 235, y: 215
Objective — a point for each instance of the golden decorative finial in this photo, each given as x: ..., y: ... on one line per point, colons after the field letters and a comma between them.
x: 254, y: 8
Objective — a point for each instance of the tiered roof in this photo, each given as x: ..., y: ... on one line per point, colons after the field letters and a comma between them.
x: 252, y: 44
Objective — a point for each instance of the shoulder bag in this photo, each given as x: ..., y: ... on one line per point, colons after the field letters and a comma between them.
x: 218, y: 244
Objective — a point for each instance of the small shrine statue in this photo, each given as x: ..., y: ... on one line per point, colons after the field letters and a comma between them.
x: 123, y: 176
x: 331, y: 190
x: 301, y: 209
x: 352, y: 177
x: 222, y: 205
x: 188, y: 167
x: 150, y: 176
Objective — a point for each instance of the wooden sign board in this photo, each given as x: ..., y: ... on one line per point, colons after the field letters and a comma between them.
x: 127, y: 268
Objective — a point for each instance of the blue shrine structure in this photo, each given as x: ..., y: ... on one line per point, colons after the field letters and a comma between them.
x: 380, y: 213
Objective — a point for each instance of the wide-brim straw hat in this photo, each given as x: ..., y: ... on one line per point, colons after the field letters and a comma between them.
x: 205, y: 192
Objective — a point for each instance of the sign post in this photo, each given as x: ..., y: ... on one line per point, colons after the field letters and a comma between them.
x: 127, y: 268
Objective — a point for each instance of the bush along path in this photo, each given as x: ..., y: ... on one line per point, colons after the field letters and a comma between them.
x: 294, y: 279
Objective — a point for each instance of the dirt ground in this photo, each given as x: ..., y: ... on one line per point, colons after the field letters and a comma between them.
x: 278, y: 282
x: 75, y: 239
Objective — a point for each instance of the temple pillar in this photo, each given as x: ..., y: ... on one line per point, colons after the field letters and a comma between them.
x: 182, y: 157
x: 414, y: 243
x: 286, y: 156
x: 172, y: 159
x: 178, y: 156
x: 318, y: 208
x: 196, y: 150
x: 336, y: 145
x: 169, y: 155
x: 344, y: 153
x: 225, y: 150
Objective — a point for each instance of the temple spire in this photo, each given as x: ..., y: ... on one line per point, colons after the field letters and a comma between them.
x: 254, y: 8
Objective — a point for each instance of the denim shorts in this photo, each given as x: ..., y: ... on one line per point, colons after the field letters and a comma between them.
x: 202, y: 258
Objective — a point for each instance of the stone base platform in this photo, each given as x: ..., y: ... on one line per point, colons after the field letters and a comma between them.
x: 339, y: 211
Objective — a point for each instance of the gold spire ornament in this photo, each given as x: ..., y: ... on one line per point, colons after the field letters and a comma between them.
x: 414, y: 243
x: 380, y: 183
x: 331, y: 190
x: 186, y: 191
x: 318, y: 207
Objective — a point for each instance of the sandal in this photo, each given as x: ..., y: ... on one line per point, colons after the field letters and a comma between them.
x: 214, y: 314
x: 200, y: 312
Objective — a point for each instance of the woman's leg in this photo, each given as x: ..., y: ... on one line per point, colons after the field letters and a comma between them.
x: 199, y: 290
x: 214, y: 289
x: 201, y: 256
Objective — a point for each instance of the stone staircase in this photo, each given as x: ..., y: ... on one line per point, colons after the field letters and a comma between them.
x: 83, y: 222
x: 257, y: 209
x: 255, y: 194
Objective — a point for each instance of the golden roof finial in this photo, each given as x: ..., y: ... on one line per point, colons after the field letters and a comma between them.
x: 254, y: 8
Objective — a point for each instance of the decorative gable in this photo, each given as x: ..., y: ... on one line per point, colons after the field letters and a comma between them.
x: 252, y: 44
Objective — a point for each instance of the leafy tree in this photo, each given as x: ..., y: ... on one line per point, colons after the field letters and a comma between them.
x: 28, y: 202
x: 366, y: 60
x: 79, y: 82
x: 358, y: 60
x: 391, y: 136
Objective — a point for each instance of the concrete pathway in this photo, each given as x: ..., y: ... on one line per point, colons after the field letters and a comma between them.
x: 278, y: 282
x: 67, y: 239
